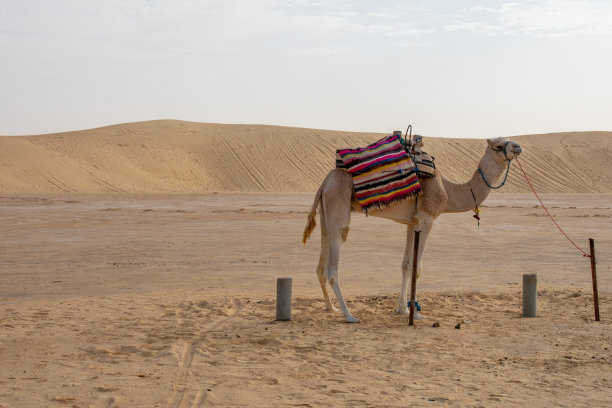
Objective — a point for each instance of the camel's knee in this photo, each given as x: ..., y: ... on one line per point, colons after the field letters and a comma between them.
x: 407, y: 267
x: 407, y: 264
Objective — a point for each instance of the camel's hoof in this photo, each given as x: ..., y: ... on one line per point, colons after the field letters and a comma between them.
x: 418, y: 316
x: 333, y: 309
x: 352, y: 319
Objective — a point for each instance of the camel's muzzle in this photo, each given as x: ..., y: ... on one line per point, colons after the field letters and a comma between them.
x: 517, y: 149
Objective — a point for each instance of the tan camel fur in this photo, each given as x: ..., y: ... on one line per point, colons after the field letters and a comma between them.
x: 336, y: 199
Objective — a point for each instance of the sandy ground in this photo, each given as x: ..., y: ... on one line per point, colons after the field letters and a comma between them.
x: 169, y: 301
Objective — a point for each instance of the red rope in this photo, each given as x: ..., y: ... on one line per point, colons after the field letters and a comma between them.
x: 547, y: 212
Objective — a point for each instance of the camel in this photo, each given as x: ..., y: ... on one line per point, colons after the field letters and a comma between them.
x: 335, y: 200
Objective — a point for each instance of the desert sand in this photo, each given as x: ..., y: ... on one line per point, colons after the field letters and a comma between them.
x: 138, y: 266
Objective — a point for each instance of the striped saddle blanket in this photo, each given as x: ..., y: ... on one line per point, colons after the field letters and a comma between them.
x: 382, y: 172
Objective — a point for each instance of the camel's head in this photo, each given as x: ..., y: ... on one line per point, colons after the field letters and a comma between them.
x: 504, y: 149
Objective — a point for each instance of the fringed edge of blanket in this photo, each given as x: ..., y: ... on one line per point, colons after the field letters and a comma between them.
x: 382, y: 205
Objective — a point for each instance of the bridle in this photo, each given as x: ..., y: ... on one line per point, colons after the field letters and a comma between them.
x: 499, y: 149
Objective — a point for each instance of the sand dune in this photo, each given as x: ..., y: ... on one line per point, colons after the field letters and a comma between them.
x: 177, y: 156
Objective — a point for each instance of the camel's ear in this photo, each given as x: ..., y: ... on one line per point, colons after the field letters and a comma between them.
x: 494, y: 143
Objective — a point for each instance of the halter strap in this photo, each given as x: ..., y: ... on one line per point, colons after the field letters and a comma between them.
x: 507, y: 171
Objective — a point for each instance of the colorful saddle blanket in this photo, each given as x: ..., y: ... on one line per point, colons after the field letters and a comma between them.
x: 382, y: 172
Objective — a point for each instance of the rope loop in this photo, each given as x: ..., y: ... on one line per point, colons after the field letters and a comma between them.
x: 503, y: 182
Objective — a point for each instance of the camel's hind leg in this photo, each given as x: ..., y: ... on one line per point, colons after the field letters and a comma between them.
x: 332, y: 276
x: 323, y: 261
x: 336, y: 199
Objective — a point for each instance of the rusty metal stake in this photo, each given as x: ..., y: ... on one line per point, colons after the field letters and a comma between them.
x: 414, y: 277
x: 594, y: 276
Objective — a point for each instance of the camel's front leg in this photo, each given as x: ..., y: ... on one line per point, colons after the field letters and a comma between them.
x: 424, y: 225
x: 402, y: 302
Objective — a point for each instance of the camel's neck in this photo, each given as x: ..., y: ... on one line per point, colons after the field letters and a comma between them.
x: 465, y: 196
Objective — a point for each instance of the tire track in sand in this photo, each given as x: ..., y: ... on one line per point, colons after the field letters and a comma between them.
x: 185, y: 358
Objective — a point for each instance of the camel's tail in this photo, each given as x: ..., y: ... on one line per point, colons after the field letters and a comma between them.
x: 312, y: 223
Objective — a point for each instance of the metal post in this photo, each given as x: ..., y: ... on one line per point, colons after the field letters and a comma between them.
x: 530, y: 295
x: 415, y: 260
x: 594, y: 277
x: 283, y: 298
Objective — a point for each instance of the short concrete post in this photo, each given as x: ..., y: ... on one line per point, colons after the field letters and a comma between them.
x: 530, y: 294
x: 283, y: 298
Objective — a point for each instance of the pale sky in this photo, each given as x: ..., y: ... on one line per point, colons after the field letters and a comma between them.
x: 451, y: 68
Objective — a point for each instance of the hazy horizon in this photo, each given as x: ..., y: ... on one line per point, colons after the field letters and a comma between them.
x: 389, y: 131
x: 465, y: 68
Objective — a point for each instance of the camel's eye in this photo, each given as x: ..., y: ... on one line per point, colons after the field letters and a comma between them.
x: 499, y: 148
